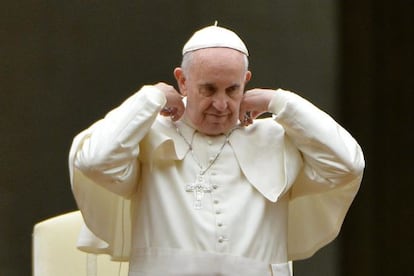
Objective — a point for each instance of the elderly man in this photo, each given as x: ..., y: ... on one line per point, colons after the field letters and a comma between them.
x: 191, y: 183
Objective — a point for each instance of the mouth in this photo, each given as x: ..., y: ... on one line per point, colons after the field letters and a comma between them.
x: 218, y: 115
x: 217, y: 118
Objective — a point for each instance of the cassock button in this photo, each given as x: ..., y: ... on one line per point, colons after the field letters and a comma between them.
x: 216, y: 201
x: 221, y: 239
x: 209, y: 142
x: 219, y: 224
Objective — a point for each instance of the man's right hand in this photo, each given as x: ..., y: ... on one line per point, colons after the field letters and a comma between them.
x: 174, y: 107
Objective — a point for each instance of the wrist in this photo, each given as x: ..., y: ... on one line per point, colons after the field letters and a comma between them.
x: 155, y: 95
x: 278, y: 101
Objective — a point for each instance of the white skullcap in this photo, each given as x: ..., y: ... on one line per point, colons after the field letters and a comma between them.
x: 215, y: 37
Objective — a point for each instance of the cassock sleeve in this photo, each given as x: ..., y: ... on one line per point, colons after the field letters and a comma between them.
x: 104, y: 168
x: 332, y: 171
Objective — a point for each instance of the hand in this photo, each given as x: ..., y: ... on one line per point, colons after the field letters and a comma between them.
x: 174, y: 107
x: 254, y: 103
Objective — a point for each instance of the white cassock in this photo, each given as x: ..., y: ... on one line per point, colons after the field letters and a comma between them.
x: 278, y: 191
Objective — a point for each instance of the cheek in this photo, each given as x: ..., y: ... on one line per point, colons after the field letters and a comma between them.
x: 235, y: 106
x: 197, y: 105
x: 203, y: 106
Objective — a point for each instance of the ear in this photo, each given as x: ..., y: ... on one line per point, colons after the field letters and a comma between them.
x: 179, y: 76
x: 248, y: 77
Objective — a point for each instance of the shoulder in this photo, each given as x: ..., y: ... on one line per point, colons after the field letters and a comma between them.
x: 265, y: 127
x: 262, y: 133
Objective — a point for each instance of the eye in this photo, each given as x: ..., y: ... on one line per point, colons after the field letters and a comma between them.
x: 207, y: 90
x: 233, y: 90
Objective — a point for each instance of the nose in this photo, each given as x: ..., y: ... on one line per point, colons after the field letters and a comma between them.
x: 220, y: 102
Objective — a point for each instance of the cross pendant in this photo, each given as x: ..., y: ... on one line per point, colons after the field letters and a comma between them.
x: 198, y: 188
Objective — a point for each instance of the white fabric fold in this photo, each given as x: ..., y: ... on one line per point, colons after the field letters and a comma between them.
x: 302, y: 151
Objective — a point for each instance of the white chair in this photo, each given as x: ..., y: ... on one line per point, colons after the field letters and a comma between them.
x: 55, y: 252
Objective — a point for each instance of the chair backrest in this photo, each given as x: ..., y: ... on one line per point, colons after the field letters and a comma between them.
x: 55, y: 253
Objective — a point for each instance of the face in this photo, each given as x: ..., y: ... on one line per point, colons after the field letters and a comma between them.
x: 214, y: 84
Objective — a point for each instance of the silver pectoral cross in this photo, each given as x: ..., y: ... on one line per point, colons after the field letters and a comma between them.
x: 199, y: 187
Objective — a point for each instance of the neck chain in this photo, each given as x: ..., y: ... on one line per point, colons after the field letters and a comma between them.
x: 191, y: 149
x: 201, y: 186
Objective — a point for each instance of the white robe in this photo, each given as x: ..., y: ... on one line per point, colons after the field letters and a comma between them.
x: 286, y: 181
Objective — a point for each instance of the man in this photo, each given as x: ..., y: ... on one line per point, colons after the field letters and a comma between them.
x: 191, y: 183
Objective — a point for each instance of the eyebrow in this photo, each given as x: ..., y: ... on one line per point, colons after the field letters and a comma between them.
x: 234, y: 86
x: 207, y: 85
x: 211, y: 85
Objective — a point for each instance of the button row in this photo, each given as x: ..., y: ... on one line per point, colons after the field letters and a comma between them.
x: 221, y: 239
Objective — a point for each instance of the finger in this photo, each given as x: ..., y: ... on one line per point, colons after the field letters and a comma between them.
x: 246, y: 119
x: 168, y: 110
x: 174, y: 112
x: 242, y: 116
x: 242, y: 111
x: 179, y: 113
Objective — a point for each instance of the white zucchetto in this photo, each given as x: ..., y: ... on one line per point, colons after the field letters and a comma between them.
x: 215, y: 37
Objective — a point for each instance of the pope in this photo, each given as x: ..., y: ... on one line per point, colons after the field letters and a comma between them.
x: 192, y: 182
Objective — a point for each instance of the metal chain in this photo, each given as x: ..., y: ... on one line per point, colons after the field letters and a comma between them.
x: 190, y: 147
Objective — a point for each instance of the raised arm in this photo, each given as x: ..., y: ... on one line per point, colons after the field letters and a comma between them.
x: 330, y: 153
x: 108, y: 150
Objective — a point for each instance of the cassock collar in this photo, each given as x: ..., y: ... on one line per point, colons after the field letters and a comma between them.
x: 258, y: 148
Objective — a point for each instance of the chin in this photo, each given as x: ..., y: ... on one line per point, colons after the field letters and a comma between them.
x: 215, y: 129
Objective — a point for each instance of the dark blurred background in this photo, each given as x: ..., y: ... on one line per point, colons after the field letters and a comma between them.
x: 64, y: 64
